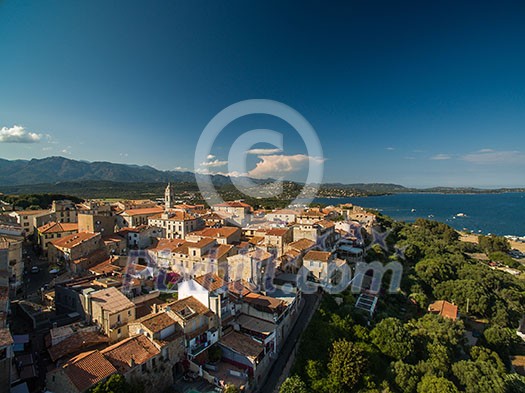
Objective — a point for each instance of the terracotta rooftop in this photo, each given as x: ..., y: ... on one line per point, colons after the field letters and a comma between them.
x: 167, y: 244
x: 156, y: 323
x: 277, y: 231
x: 145, y: 308
x: 92, y: 258
x: 201, y: 243
x: 217, y: 232
x: 87, y: 369
x: 325, y: 223
x: 322, y: 256
x: 132, y: 351
x: 444, y: 308
x: 74, y: 239
x: 78, y: 341
x: 112, y: 300
x: 239, y: 287
x: 265, y: 303
x: 58, y: 227
x: 232, y: 204
x: 175, y: 215
x: 144, y: 211
x: 211, y: 281
x: 104, y: 267
x: 219, y: 251
x: 302, y: 244
x: 188, y: 308
x: 242, y: 344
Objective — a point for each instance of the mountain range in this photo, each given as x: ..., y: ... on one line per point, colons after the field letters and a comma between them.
x: 48, y: 173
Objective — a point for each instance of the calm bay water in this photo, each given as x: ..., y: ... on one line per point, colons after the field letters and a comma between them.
x: 500, y: 214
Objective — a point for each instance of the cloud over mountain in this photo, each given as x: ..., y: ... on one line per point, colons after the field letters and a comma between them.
x: 18, y: 134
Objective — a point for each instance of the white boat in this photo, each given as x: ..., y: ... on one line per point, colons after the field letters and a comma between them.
x: 461, y: 215
x: 413, y: 210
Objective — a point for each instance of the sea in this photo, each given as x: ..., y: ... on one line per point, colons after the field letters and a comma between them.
x: 498, y: 214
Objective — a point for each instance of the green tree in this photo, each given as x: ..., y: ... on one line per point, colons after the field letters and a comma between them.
x: 483, y: 373
x: 433, y: 384
x: 434, y: 271
x: 514, y: 383
x: 493, y: 243
x: 293, y: 384
x: 406, y: 377
x: 116, y: 384
x: 231, y: 389
x: 500, y: 339
x: 392, y: 339
x: 346, y: 366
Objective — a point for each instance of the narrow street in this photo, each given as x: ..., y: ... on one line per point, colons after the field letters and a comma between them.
x: 280, y: 364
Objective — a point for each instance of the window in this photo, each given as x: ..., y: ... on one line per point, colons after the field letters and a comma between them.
x: 129, y: 313
x: 153, y: 362
x: 144, y: 367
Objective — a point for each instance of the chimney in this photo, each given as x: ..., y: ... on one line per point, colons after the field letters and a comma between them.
x: 132, y: 362
x: 155, y: 308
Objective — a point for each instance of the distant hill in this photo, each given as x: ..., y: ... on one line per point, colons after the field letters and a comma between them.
x: 81, y: 178
x: 60, y: 169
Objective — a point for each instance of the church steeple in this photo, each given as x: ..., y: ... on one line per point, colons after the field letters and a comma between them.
x: 168, y: 197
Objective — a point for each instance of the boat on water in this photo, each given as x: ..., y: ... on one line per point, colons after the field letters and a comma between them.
x: 461, y: 215
x: 413, y: 210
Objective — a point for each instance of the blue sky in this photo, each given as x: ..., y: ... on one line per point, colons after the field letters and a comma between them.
x: 415, y: 93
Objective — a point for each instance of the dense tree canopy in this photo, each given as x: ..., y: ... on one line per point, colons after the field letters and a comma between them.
x: 408, y: 349
x: 392, y: 339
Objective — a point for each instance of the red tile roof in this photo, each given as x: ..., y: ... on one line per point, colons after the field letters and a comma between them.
x: 58, y: 227
x: 277, y: 231
x: 76, y: 342
x: 444, y: 308
x: 189, y: 307
x: 302, y: 244
x: 322, y: 256
x: 74, y: 239
x: 217, y: 232
x: 144, y: 211
x: 87, y: 369
x: 211, y: 281
x: 156, y: 323
x: 137, y: 350
x: 232, y: 204
x: 112, y: 300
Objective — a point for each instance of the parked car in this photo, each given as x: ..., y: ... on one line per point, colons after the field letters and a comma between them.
x: 35, y: 269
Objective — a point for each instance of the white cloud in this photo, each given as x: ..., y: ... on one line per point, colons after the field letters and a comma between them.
x: 263, y: 152
x: 213, y: 164
x: 441, y: 157
x: 489, y: 156
x: 390, y: 148
x: 276, y: 165
x: 210, y: 157
x: 18, y: 134
x: 66, y: 150
x: 182, y: 169
x: 206, y: 171
x: 123, y: 154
